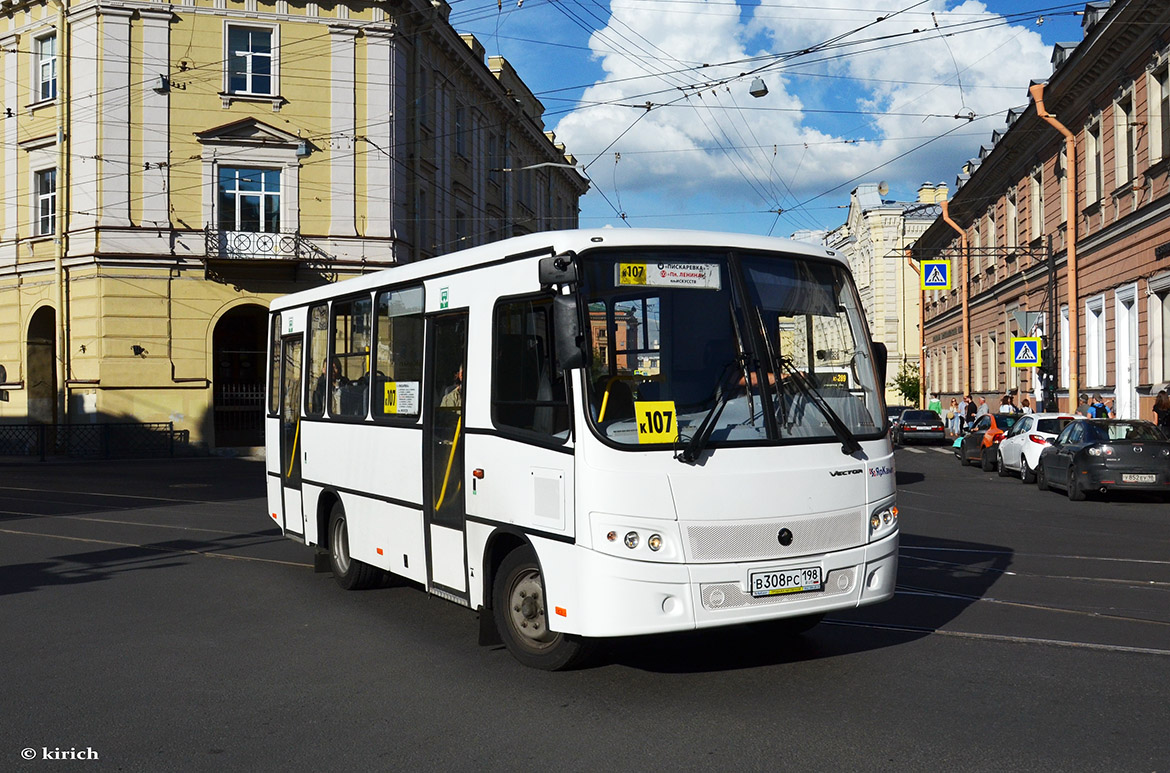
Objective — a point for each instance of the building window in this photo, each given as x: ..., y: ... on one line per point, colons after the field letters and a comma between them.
x: 992, y: 362
x: 421, y: 218
x: 1012, y: 226
x: 1094, y: 172
x: 1064, y: 347
x: 46, y: 49
x: 1062, y: 178
x: 249, y: 200
x: 992, y: 242
x: 461, y: 131
x: 1095, y: 342
x: 494, y: 164
x: 1160, y: 115
x: 976, y: 245
x: 1125, y: 140
x: 1036, y: 197
x: 46, y: 186
x: 977, y: 351
x: 250, y: 60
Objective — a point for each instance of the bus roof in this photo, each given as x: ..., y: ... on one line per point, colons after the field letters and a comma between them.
x: 552, y: 242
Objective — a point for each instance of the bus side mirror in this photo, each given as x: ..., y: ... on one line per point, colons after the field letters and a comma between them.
x: 569, y: 340
x: 559, y: 270
x: 880, y: 357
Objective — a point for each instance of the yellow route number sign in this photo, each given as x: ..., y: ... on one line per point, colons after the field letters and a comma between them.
x: 657, y: 421
x: 632, y: 273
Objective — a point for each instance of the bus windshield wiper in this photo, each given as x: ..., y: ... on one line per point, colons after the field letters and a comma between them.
x: 690, y: 452
x: 849, y: 444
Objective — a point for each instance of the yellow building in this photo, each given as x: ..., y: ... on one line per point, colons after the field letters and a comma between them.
x: 169, y: 168
x: 874, y: 238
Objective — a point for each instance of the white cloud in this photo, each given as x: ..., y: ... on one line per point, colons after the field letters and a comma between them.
x: 679, y: 155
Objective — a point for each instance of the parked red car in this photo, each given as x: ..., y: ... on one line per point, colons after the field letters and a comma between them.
x: 981, y: 443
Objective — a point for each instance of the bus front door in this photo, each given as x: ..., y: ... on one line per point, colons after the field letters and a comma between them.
x: 443, y: 467
x: 290, y: 433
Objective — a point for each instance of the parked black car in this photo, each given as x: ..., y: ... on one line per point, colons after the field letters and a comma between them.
x: 1106, y: 454
x: 916, y: 424
x: 893, y: 413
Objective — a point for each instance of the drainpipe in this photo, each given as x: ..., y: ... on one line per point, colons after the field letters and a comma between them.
x: 61, y: 225
x: 966, y: 379
x: 1074, y: 317
x: 921, y: 332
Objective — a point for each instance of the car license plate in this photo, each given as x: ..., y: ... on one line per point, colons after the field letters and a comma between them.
x: 774, y: 582
x: 1138, y: 478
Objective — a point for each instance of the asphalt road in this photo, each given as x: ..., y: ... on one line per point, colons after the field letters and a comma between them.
x: 153, y: 617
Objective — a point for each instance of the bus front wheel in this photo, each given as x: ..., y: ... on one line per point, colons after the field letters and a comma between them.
x: 350, y: 573
x: 518, y: 604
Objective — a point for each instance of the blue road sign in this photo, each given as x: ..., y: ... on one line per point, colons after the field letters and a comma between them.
x: 1025, y: 352
x: 936, y: 275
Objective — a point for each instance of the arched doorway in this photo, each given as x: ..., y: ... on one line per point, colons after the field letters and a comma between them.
x: 40, y: 367
x: 238, y: 376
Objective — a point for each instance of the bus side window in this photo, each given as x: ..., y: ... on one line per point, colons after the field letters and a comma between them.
x: 528, y: 386
x: 398, y: 359
x: 318, y: 358
x: 349, y: 387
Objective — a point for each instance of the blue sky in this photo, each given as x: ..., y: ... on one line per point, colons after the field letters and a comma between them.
x: 850, y: 100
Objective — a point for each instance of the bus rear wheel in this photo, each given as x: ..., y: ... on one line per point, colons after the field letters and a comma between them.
x: 518, y: 604
x: 350, y: 573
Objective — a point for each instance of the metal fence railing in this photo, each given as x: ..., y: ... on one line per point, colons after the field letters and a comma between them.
x: 99, y: 441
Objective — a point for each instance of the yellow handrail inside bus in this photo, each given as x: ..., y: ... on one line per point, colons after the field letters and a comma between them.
x: 605, y: 397
x: 292, y: 457
x: 450, y: 462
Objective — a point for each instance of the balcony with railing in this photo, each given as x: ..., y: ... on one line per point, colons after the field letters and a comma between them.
x: 259, y: 246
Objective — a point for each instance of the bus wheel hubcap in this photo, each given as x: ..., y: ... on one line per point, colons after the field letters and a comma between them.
x: 526, y: 608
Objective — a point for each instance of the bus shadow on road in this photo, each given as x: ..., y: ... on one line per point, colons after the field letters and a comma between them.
x: 103, y: 564
x: 937, y: 580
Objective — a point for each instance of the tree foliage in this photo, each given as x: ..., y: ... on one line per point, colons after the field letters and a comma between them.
x: 907, y: 383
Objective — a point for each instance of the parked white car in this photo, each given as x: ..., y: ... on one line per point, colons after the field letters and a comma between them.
x: 1019, y: 451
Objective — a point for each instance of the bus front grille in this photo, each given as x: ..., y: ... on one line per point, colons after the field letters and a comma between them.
x: 761, y: 540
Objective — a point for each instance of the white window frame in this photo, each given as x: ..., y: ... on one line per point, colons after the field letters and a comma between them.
x: 1062, y: 179
x: 41, y: 61
x: 263, y: 195
x: 1158, y: 111
x: 1094, y: 166
x: 1124, y: 139
x: 274, y: 61
x: 1095, y: 341
x: 1064, y: 338
x: 40, y: 199
x: 992, y: 379
x: 1012, y: 226
x: 1036, y: 200
x: 991, y: 237
x: 1158, y: 316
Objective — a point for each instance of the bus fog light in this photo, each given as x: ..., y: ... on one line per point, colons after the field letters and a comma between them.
x: 612, y: 536
x: 875, y: 522
x: 632, y: 539
x: 655, y: 542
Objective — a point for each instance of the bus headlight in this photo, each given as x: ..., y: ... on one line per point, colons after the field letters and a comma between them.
x: 882, y: 520
x: 631, y: 537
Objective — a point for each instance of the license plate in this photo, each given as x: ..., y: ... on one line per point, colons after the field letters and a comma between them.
x: 774, y: 582
x: 1136, y: 478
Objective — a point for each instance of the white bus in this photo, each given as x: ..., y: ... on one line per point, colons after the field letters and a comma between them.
x: 591, y: 434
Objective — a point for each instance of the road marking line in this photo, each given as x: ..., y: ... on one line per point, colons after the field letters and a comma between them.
x: 914, y: 450
x: 115, y: 496
x: 154, y: 547
x: 1004, y: 638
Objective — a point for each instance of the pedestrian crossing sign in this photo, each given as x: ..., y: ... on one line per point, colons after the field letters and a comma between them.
x: 936, y: 275
x: 1025, y: 352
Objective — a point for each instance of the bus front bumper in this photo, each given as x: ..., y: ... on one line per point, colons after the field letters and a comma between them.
x: 623, y: 597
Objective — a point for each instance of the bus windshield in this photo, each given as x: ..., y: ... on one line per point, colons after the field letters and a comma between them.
x: 739, y: 347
